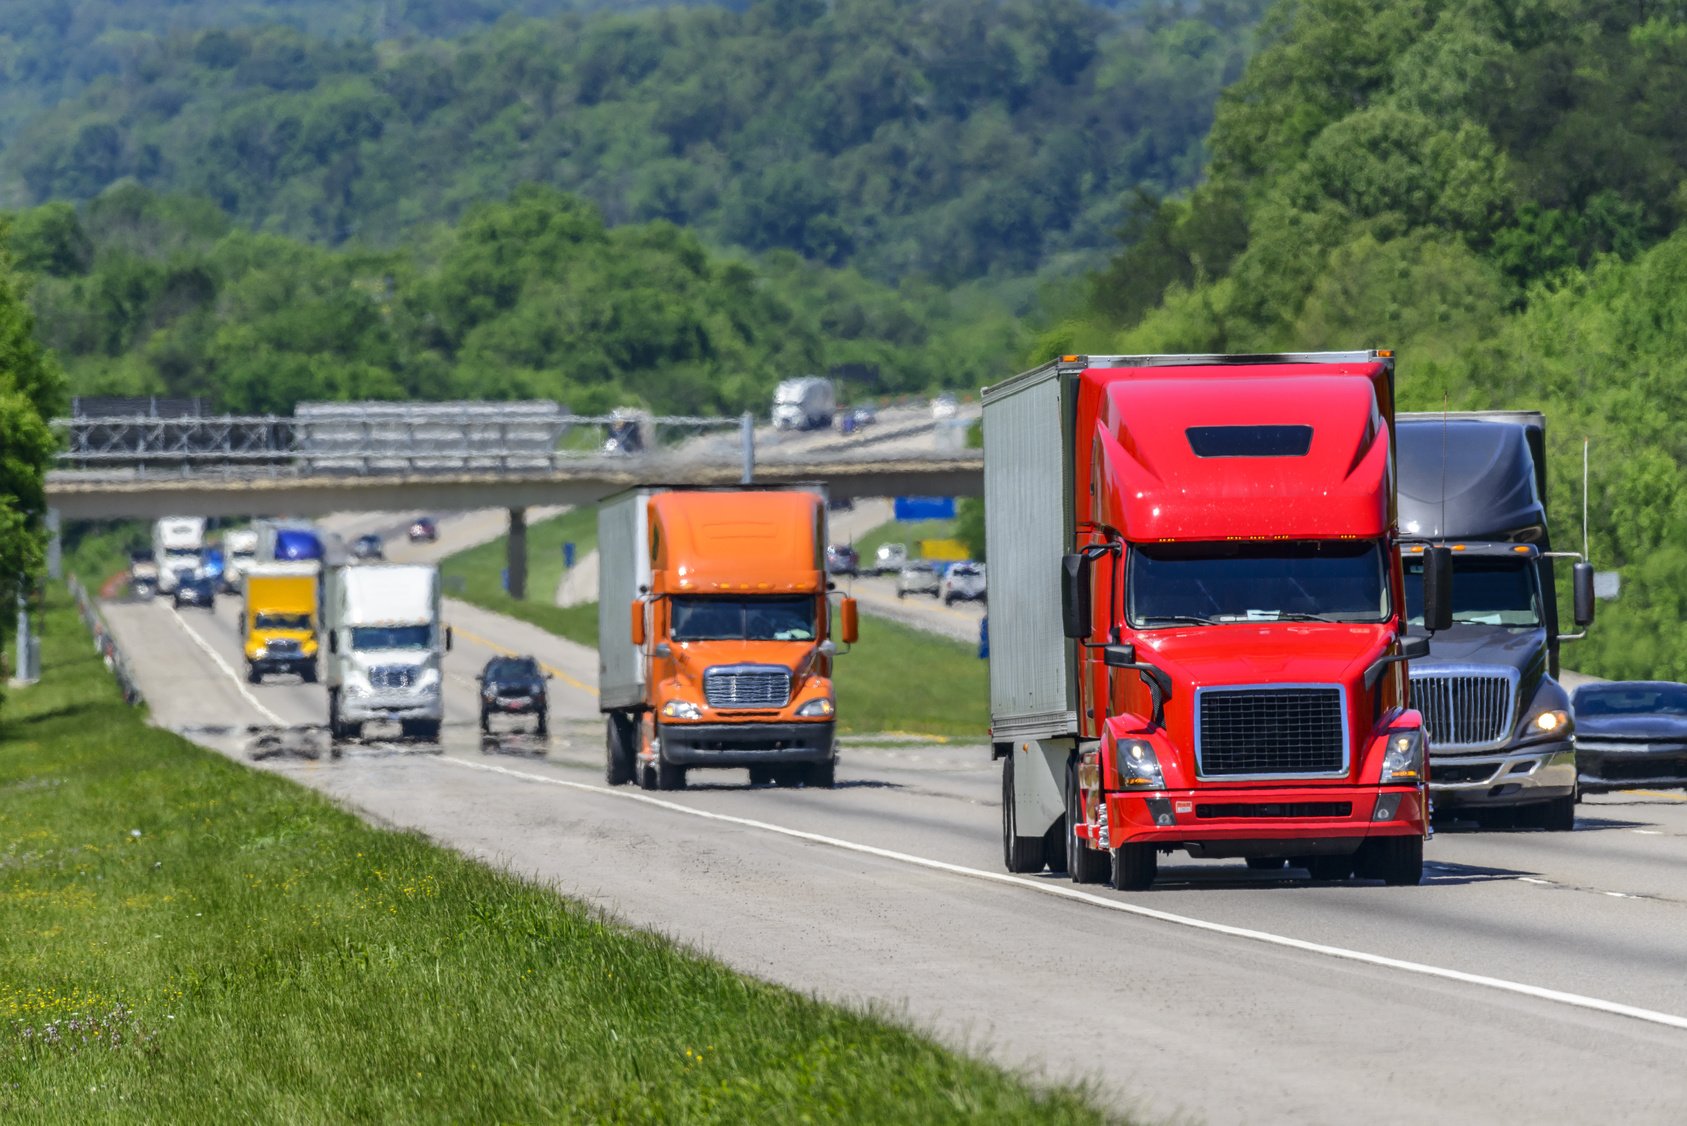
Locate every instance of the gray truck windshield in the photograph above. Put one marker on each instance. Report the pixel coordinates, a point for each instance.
(1488, 590)
(1213, 583)
(391, 637)
(742, 619)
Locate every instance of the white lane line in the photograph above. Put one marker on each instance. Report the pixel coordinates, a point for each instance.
(1532, 880)
(239, 681)
(1647, 832)
(1063, 891)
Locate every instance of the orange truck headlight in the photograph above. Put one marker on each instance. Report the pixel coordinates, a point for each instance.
(816, 709)
(681, 709)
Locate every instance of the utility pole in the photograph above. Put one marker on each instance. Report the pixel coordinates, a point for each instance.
(28, 669)
(747, 440)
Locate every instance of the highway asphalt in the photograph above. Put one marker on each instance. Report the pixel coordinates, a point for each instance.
(1534, 976)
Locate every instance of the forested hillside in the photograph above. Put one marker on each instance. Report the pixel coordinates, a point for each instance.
(948, 139)
(527, 297)
(1495, 189)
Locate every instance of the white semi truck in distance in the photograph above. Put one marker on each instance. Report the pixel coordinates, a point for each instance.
(178, 544)
(385, 646)
(807, 403)
(240, 551)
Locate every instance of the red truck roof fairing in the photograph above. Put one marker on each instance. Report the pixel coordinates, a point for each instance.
(1144, 477)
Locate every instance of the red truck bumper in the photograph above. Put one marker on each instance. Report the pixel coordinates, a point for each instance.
(1221, 823)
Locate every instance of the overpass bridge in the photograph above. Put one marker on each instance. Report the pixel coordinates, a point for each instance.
(453, 456)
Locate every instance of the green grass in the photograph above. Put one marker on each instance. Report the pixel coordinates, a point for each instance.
(909, 533)
(480, 570)
(266, 957)
(897, 678)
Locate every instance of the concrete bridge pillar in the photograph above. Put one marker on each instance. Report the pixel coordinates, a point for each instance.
(55, 549)
(516, 558)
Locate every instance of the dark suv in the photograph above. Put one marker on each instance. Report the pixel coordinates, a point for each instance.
(514, 686)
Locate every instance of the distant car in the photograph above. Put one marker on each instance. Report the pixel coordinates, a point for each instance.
(945, 406)
(424, 530)
(368, 547)
(963, 582)
(917, 577)
(624, 436)
(194, 588)
(841, 559)
(514, 686)
(852, 420)
(890, 558)
(1630, 733)
(143, 573)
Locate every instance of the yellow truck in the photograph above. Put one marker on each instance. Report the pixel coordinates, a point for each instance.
(279, 618)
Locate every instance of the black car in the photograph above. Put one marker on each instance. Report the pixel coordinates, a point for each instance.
(513, 686)
(367, 547)
(1631, 733)
(195, 589)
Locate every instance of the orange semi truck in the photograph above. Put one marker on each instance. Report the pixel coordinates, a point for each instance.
(715, 645)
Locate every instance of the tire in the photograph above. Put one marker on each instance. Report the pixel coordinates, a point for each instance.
(336, 729)
(948, 601)
(1396, 861)
(421, 730)
(253, 676)
(761, 776)
(668, 776)
(618, 768)
(1558, 815)
(1085, 865)
(542, 726)
(1326, 867)
(1266, 863)
(1133, 867)
(901, 594)
(485, 722)
(308, 675)
(821, 775)
(1019, 854)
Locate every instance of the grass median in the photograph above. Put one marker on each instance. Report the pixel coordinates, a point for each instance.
(476, 575)
(187, 940)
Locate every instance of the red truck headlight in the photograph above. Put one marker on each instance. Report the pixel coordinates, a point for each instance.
(1138, 766)
(1403, 760)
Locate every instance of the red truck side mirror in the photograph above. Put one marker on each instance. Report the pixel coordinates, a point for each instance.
(638, 622)
(849, 621)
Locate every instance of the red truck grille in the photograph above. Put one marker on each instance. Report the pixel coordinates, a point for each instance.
(1271, 731)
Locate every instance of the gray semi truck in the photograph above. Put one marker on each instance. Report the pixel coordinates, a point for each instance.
(1500, 727)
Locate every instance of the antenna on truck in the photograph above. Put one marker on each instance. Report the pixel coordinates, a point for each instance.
(1586, 553)
(1444, 465)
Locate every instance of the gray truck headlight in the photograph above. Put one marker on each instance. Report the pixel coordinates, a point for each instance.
(681, 709)
(1554, 722)
(1403, 760)
(1139, 767)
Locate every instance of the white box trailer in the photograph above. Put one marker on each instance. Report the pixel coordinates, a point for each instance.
(386, 647)
(178, 544)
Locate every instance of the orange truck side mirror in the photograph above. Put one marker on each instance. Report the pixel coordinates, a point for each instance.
(848, 621)
(638, 622)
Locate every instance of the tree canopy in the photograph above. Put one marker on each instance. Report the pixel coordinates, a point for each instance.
(949, 139)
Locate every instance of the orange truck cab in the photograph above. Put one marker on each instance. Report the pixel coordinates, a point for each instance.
(715, 635)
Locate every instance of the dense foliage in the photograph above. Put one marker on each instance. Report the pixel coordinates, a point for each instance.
(31, 390)
(951, 139)
(530, 297)
(1496, 190)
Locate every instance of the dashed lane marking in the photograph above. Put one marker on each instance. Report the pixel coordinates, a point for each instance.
(1064, 891)
(239, 681)
(508, 652)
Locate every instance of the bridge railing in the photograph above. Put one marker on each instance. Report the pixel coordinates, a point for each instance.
(105, 644)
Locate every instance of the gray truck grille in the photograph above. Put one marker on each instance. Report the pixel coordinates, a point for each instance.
(392, 676)
(1463, 711)
(1270, 731)
(747, 687)
(283, 647)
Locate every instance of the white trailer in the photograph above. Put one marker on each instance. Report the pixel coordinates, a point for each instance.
(240, 551)
(178, 544)
(386, 648)
(807, 403)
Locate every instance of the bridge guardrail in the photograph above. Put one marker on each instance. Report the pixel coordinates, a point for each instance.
(104, 643)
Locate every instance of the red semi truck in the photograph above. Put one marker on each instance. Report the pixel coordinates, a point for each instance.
(1205, 649)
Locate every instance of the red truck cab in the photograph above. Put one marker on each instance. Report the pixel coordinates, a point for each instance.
(1231, 603)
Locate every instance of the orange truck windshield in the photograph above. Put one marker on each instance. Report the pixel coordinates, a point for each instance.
(743, 619)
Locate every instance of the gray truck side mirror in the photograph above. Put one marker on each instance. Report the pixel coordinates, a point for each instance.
(1437, 588)
(1581, 580)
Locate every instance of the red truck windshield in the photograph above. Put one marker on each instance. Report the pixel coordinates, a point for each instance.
(1213, 583)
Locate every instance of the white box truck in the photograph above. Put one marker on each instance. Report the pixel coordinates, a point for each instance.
(807, 403)
(178, 544)
(386, 647)
(240, 551)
